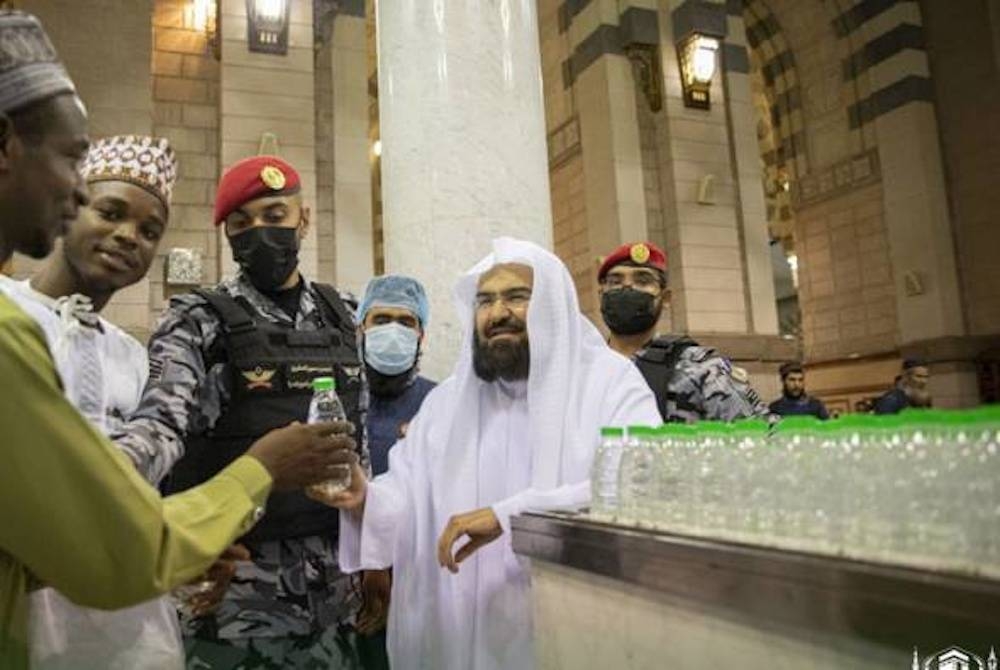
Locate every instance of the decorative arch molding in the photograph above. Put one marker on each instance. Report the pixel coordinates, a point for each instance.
(771, 50)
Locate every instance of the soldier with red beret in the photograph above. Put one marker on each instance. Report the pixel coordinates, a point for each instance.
(691, 382)
(228, 364)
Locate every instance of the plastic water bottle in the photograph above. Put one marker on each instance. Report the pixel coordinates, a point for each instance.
(635, 475)
(672, 483)
(604, 475)
(325, 407)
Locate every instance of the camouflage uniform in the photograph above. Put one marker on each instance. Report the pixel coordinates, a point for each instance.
(290, 607)
(702, 385)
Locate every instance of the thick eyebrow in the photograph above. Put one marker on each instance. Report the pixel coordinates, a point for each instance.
(506, 291)
(113, 200)
(155, 218)
(244, 212)
(122, 203)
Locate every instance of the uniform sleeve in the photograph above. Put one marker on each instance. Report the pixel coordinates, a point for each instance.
(364, 433)
(76, 513)
(180, 398)
(719, 394)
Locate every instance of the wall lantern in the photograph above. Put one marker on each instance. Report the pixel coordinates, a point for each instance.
(267, 26)
(698, 55)
(699, 26)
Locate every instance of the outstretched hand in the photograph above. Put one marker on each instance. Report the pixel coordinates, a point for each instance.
(351, 499)
(481, 526)
(220, 575)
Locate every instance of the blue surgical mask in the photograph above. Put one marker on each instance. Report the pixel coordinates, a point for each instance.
(391, 349)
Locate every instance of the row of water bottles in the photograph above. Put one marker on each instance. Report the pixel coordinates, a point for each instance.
(921, 488)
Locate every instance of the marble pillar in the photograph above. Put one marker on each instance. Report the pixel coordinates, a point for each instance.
(463, 144)
(352, 170)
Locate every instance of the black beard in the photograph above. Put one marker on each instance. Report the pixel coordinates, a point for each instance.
(794, 396)
(509, 361)
(385, 386)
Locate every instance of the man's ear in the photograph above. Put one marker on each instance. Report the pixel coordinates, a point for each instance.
(304, 223)
(10, 144)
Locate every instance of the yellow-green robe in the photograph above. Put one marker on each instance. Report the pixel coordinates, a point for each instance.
(75, 514)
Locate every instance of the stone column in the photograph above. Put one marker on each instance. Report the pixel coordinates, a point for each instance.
(463, 143)
(604, 89)
(352, 171)
(751, 210)
(703, 239)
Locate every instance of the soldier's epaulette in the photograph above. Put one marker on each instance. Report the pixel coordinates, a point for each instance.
(699, 354)
(186, 301)
(190, 306)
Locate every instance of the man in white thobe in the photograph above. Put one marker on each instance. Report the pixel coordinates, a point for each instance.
(514, 427)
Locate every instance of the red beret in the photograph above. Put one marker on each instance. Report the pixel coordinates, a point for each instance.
(252, 178)
(646, 254)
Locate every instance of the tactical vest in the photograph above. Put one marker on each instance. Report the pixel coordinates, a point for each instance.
(271, 367)
(658, 362)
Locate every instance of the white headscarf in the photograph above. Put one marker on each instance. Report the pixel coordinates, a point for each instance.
(571, 366)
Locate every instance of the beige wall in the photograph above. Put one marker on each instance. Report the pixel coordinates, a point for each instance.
(186, 112)
(872, 231)
(963, 59)
(569, 223)
(114, 80)
(352, 171)
(846, 290)
(110, 72)
(566, 165)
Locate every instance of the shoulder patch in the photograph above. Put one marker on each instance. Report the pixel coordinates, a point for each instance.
(738, 373)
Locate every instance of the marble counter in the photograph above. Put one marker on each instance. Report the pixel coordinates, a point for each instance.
(613, 597)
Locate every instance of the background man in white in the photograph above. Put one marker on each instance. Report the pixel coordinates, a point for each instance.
(514, 427)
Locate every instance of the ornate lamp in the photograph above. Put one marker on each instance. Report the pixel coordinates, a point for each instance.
(698, 56)
(267, 26)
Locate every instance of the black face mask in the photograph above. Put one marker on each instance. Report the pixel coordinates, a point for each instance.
(628, 311)
(267, 254)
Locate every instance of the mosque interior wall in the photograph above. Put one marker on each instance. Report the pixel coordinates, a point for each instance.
(965, 64)
(186, 112)
(851, 113)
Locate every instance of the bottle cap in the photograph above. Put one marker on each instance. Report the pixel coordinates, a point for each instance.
(323, 384)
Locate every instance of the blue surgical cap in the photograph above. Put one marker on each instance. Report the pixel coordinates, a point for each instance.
(395, 291)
